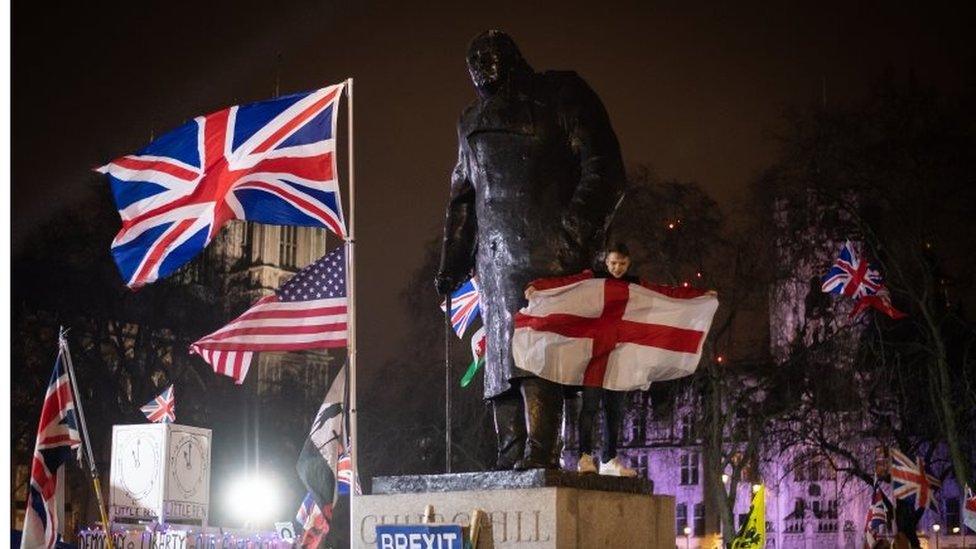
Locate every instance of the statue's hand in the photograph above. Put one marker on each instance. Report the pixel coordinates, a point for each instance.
(444, 283)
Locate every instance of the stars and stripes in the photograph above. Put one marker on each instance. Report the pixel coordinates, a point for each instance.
(911, 483)
(851, 276)
(268, 162)
(57, 442)
(465, 306)
(306, 312)
(161, 409)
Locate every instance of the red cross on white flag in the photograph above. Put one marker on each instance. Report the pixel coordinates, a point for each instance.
(610, 333)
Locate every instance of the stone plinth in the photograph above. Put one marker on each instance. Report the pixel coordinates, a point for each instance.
(535, 508)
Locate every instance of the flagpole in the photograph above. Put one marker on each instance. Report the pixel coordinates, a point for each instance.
(85, 440)
(351, 317)
(448, 334)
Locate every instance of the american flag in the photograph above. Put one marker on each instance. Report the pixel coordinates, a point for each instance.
(465, 306)
(910, 481)
(57, 440)
(851, 276)
(161, 409)
(269, 162)
(306, 312)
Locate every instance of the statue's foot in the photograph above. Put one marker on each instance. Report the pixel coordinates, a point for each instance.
(535, 463)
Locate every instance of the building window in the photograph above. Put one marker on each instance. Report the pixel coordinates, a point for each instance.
(636, 433)
(247, 240)
(681, 518)
(952, 513)
(639, 463)
(689, 469)
(288, 247)
(689, 432)
(699, 519)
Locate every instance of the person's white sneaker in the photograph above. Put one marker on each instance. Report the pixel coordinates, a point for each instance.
(614, 468)
(586, 464)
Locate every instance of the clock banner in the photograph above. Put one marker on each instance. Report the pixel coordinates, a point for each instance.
(319, 461)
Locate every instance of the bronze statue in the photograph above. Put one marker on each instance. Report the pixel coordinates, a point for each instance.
(539, 172)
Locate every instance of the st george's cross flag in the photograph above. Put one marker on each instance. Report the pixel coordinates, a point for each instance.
(465, 306)
(269, 162)
(161, 409)
(58, 442)
(911, 483)
(604, 332)
(306, 312)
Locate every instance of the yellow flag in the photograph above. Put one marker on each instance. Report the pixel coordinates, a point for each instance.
(752, 535)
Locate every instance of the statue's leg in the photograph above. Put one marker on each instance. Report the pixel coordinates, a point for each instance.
(543, 401)
(509, 428)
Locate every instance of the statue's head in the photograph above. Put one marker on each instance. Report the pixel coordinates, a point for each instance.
(494, 61)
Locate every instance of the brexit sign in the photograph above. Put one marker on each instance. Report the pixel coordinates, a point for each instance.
(419, 536)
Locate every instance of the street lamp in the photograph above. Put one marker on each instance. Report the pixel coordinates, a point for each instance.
(687, 537)
(936, 528)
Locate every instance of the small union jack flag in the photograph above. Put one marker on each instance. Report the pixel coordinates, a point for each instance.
(465, 306)
(305, 510)
(879, 514)
(268, 162)
(161, 409)
(58, 441)
(344, 475)
(851, 276)
(969, 510)
(910, 481)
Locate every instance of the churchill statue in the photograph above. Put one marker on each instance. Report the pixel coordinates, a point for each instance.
(538, 175)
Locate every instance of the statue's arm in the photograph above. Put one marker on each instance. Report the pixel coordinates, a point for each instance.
(460, 230)
(595, 145)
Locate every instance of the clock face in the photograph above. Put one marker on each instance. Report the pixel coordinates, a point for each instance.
(139, 464)
(187, 464)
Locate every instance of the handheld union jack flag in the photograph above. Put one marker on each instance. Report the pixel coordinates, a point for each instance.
(268, 162)
(161, 409)
(465, 306)
(851, 276)
(879, 514)
(910, 481)
(58, 440)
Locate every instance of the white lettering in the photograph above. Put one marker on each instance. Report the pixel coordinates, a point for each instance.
(414, 541)
(386, 541)
(429, 540)
(400, 541)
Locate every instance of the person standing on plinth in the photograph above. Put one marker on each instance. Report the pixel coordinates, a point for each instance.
(617, 262)
(538, 174)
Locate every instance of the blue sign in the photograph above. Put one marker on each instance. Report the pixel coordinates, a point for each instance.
(419, 536)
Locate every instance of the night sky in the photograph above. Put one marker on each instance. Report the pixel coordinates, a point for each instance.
(696, 93)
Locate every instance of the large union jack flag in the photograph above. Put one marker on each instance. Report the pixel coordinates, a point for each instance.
(465, 306)
(879, 515)
(268, 162)
(161, 409)
(851, 276)
(911, 483)
(57, 441)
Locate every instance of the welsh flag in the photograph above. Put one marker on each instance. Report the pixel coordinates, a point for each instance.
(610, 333)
